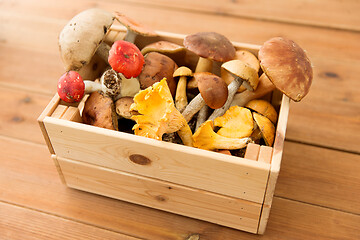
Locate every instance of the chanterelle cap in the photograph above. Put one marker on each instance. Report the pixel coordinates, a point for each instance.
(287, 66)
(210, 45)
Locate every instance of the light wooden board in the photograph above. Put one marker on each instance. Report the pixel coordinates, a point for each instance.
(38, 187)
(179, 164)
(15, 225)
(153, 193)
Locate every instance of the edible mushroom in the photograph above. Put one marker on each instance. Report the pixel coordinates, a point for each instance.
(99, 111)
(206, 138)
(133, 28)
(180, 97)
(174, 51)
(123, 105)
(264, 108)
(287, 66)
(237, 122)
(243, 74)
(156, 67)
(209, 46)
(158, 115)
(213, 92)
(266, 127)
(82, 36)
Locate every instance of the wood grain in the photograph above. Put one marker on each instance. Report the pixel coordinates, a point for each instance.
(15, 225)
(38, 187)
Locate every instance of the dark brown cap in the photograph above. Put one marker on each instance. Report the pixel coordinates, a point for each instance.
(210, 45)
(287, 66)
(212, 88)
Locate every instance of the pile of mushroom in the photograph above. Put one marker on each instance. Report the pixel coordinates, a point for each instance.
(167, 98)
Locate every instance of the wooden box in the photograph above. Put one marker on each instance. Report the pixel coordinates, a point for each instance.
(222, 189)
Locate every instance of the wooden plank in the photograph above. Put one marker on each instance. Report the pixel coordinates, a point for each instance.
(231, 212)
(265, 154)
(59, 111)
(320, 176)
(17, 223)
(252, 151)
(38, 187)
(275, 163)
(72, 114)
(330, 14)
(179, 164)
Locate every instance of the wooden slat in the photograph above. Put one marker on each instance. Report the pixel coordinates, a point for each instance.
(265, 154)
(153, 193)
(324, 13)
(72, 114)
(252, 151)
(320, 176)
(179, 164)
(17, 223)
(38, 187)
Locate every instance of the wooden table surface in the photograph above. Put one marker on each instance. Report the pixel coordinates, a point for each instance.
(318, 190)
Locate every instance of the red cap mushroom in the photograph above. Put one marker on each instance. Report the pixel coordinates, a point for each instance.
(71, 87)
(126, 58)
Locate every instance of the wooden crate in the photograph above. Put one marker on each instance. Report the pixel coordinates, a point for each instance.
(226, 190)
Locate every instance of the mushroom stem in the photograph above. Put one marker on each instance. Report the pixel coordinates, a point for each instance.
(193, 107)
(180, 96)
(91, 86)
(202, 116)
(232, 88)
(185, 134)
(103, 51)
(130, 36)
(203, 65)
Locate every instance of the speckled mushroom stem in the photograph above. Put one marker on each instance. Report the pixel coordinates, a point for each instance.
(130, 36)
(193, 107)
(202, 116)
(232, 88)
(103, 51)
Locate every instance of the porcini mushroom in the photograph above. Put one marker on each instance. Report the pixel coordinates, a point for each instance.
(158, 115)
(180, 97)
(126, 58)
(243, 74)
(158, 66)
(209, 46)
(133, 28)
(99, 111)
(172, 50)
(287, 66)
(206, 138)
(82, 36)
(122, 106)
(264, 108)
(213, 92)
(237, 122)
(266, 127)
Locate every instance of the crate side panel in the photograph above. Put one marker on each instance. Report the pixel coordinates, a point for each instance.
(179, 164)
(219, 209)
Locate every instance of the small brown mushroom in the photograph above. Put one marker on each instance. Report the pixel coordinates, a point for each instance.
(287, 66)
(122, 106)
(264, 108)
(266, 127)
(180, 97)
(99, 111)
(172, 50)
(213, 92)
(82, 36)
(242, 73)
(209, 46)
(158, 66)
(133, 28)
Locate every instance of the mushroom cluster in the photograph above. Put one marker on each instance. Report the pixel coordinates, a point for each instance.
(216, 104)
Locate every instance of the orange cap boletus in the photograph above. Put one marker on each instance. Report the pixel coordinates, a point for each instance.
(287, 66)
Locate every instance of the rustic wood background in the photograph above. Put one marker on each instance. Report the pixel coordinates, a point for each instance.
(318, 191)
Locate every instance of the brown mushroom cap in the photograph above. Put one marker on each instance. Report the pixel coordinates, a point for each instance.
(123, 107)
(99, 110)
(287, 66)
(162, 47)
(183, 72)
(213, 89)
(134, 26)
(264, 108)
(266, 127)
(158, 66)
(82, 35)
(210, 45)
